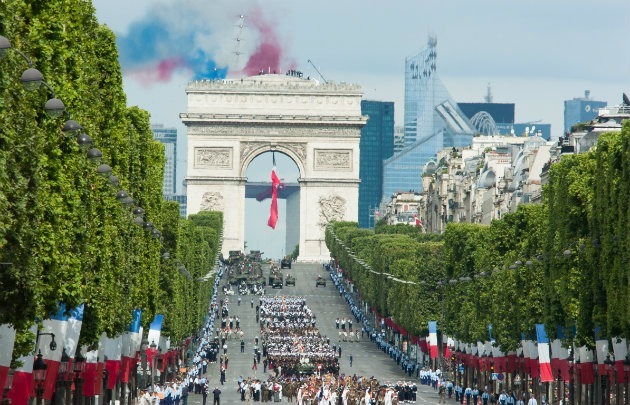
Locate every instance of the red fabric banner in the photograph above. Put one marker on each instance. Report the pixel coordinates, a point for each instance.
(273, 211)
(113, 369)
(51, 379)
(587, 374)
(535, 368)
(22, 388)
(89, 378)
(125, 368)
(621, 374)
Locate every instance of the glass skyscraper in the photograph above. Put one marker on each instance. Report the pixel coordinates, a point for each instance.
(168, 136)
(376, 145)
(433, 122)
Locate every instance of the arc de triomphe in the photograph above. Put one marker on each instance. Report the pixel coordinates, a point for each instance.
(230, 122)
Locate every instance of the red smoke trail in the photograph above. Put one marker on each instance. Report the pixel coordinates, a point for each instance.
(268, 54)
(161, 72)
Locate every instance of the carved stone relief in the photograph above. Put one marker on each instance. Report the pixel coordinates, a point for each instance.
(276, 130)
(248, 147)
(211, 201)
(331, 208)
(298, 148)
(333, 159)
(213, 158)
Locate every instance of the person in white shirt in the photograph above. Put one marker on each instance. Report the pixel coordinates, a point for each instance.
(145, 398)
(532, 401)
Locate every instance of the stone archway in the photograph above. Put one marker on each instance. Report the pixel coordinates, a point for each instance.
(230, 122)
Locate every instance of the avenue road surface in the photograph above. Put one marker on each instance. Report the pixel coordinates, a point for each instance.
(326, 304)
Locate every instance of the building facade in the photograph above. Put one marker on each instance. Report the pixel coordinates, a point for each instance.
(483, 182)
(376, 145)
(580, 109)
(168, 137)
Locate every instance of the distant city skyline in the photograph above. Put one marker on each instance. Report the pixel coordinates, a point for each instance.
(529, 52)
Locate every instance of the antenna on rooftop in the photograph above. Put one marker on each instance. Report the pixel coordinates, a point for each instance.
(237, 40)
(317, 70)
(488, 97)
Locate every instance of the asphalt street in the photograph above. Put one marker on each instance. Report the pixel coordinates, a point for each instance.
(327, 305)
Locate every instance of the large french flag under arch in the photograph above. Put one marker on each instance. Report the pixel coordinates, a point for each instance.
(543, 354)
(273, 210)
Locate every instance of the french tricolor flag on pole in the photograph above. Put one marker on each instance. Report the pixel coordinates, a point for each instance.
(58, 325)
(7, 340)
(620, 349)
(21, 390)
(543, 354)
(155, 329)
(129, 345)
(74, 330)
(92, 375)
(433, 348)
(113, 355)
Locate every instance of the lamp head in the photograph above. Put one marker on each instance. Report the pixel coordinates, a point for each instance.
(85, 141)
(5, 45)
(94, 154)
(32, 79)
(71, 126)
(104, 170)
(54, 108)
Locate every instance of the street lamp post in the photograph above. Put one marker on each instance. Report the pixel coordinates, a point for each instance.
(571, 377)
(7, 387)
(153, 348)
(62, 388)
(39, 376)
(78, 368)
(610, 379)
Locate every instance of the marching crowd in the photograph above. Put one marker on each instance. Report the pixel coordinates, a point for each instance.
(298, 362)
(291, 340)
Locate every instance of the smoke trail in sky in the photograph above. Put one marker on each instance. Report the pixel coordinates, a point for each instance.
(268, 54)
(197, 37)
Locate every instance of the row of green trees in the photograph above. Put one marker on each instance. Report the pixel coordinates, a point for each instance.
(563, 262)
(64, 237)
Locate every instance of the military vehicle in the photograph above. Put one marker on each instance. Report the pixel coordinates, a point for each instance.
(290, 280)
(276, 281)
(255, 255)
(320, 281)
(285, 263)
(275, 277)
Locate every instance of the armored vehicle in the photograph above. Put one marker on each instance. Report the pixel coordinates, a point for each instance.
(285, 263)
(320, 281)
(290, 280)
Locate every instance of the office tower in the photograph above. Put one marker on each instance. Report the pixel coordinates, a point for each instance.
(168, 136)
(433, 122)
(580, 109)
(376, 145)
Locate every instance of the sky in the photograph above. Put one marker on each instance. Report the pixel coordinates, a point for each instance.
(534, 53)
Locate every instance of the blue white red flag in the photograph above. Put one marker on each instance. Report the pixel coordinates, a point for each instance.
(433, 348)
(543, 354)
